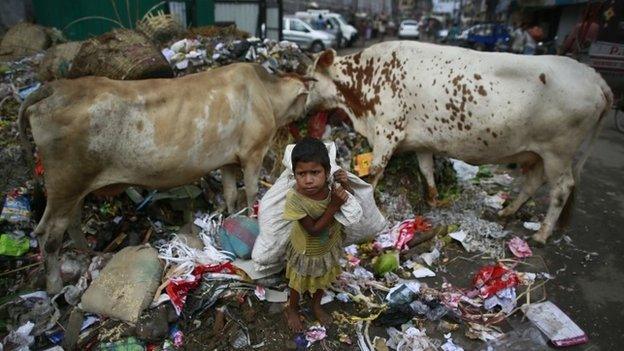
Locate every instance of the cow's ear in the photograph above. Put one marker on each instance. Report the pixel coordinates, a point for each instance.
(325, 59)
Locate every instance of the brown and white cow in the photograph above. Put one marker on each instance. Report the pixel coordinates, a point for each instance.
(97, 134)
(475, 106)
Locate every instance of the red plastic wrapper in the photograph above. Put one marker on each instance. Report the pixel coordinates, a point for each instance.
(491, 279)
(39, 170)
(177, 289)
(317, 124)
(408, 228)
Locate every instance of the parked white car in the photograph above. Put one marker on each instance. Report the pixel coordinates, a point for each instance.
(409, 30)
(301, 33)
(349, 33)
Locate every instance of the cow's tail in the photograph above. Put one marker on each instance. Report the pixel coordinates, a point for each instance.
(566, 212)
(23, 121)
(38, 201)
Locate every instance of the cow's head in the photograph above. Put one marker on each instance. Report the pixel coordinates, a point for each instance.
(323, 93)
(296, 90)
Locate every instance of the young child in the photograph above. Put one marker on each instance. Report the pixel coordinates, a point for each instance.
(316, 238)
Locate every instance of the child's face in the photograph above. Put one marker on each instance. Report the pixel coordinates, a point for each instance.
(311, 178)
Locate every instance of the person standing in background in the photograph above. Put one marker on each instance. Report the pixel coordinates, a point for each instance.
(518, 35)
(369, 30)
(529, 40)
(381, 30)
(582, 35)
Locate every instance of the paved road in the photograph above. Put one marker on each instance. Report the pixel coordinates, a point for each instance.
(593, 290)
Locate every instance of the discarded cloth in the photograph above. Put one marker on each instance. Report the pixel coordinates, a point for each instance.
(178, 288)
(238, 235)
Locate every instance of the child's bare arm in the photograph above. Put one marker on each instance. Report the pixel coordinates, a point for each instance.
(316, 227)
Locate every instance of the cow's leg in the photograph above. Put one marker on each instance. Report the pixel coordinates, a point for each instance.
(251, 174)
(425, 163)
(230, 192)
(559, 176)
(75, 229)
(56, 219)
(534, 178)
(383, 148)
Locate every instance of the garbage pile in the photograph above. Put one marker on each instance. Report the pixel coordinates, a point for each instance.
(169, 271)
(189, 55)
(447, 279)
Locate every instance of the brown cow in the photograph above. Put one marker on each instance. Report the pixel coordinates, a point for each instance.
(97, 134)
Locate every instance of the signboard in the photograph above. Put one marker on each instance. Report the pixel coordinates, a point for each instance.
(607, 53)
(606, 56)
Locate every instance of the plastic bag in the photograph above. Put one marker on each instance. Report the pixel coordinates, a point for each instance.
(494, 278)
(270, 246)
(16, 207)
(11, 246)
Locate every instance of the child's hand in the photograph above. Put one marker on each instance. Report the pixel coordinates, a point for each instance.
(341, 177)
(338, 196)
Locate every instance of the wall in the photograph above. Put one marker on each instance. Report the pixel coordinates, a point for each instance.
(13, 12)
(61, 13)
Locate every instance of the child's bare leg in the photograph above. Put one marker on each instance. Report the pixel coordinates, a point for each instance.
(321, 315)
(292, 312)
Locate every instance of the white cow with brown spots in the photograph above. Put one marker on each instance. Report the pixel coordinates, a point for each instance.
(474, 106)
(96, 134)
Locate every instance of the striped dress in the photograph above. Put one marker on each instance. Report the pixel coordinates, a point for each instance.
(311, 261)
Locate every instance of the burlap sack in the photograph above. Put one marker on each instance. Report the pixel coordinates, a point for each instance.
(58, 60)
(122, 54)
(126, 286)
(160, 28)
(24, 39)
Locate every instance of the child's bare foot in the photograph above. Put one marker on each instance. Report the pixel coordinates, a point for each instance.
(321, 315)
(293, 320)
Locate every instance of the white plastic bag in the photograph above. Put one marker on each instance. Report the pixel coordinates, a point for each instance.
(360, 216)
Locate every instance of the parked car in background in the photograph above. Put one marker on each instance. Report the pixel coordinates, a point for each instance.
(329, 25)
(486, 37)
(349, 33)
(408, 29)
(451, 35)
(308, 38)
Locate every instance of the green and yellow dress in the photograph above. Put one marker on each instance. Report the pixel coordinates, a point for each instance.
(311, 261)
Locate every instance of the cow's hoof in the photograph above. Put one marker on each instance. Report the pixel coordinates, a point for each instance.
(539, 239)
(54, 285)
(505, 212)
(433, 203)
